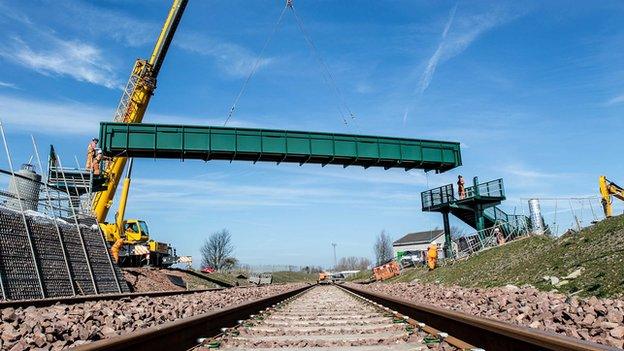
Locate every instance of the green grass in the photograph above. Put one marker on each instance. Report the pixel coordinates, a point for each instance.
(196, 283)
(363, 275)
(294, 277)
(599, 249)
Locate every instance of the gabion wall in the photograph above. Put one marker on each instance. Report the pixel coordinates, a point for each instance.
(47, 258)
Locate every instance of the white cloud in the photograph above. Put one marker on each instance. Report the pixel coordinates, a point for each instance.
(616, 100)
(39, 48)
(360, 175)
(10, 13)
(20, 114)
(108, 23)
(234, 60)
(458, 34)
(54, 56)
(77, 118)
(527, 173)
(186, 194)
(8, 85)
(364, 88)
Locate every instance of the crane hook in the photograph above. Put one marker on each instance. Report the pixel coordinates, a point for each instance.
(289, 3)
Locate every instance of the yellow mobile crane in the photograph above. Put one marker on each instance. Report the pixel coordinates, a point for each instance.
(131, 236)
(608, 189)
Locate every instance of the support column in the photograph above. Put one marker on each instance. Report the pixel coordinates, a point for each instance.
(479, 220)
(448, 252)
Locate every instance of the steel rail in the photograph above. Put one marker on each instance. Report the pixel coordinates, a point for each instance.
(450, 339)
(184, 333)
(102, 297)
(483, 332)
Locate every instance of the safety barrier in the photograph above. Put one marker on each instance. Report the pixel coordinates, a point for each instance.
(496, 235)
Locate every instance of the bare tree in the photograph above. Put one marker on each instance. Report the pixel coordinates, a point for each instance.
(352, 263)
(217, 250)
(363, 263)
(229, 263)
(383, 248)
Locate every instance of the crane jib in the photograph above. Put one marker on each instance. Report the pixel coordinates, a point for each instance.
(134, 102)
(166, 35)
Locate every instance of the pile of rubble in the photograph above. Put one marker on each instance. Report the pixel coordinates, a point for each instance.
(63, 326)
(593, 319)
(147, 279)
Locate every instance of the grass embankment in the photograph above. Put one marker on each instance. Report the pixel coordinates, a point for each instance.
(294, 277)
(599, 250)
(364, 275)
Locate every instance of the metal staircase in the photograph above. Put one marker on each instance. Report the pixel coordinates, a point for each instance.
(79, 183)
(478, 208)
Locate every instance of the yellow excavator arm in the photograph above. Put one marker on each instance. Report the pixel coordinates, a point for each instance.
(608, 189)
(134, 102)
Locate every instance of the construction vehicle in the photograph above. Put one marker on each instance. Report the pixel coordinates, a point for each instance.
(323, 278)
(338, 278)
(130, 238)
(609, 189)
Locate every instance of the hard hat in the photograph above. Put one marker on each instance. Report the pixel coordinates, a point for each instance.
(99, 151)
(95, 139)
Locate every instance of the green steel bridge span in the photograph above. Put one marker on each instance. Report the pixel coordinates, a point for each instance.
(248, 144)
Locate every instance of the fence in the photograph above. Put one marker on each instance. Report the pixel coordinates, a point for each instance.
(496, 235)
(562, 214)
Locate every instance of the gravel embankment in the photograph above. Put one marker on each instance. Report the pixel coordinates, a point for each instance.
(63, 326)
(593, 319)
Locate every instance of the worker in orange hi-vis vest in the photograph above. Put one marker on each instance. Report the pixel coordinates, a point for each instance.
(432, 256)
(91, 153)
(461, 190)
(96, 164)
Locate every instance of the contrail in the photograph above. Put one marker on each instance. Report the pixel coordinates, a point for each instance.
(427, 75)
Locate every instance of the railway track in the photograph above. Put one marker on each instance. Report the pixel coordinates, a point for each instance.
(327, 318)
(338, 317)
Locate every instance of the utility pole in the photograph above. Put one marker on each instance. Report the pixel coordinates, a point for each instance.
(335, 262)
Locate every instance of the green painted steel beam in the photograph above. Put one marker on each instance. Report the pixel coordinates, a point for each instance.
(247, 144)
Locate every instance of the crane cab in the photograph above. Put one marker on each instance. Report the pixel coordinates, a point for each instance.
(136, 231)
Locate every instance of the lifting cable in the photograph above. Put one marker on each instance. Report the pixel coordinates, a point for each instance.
(256, 64)
(343, 108)
(328, 77)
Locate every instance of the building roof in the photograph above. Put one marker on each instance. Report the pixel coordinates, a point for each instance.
(419, 238)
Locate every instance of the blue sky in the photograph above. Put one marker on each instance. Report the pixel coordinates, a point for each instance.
(534, 92)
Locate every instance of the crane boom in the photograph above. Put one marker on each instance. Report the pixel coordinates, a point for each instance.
(608, 189)
(134, 102)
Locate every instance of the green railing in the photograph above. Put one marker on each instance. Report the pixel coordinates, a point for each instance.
(493, 188)
(509, 223)
(446, 194)
(436, 197)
